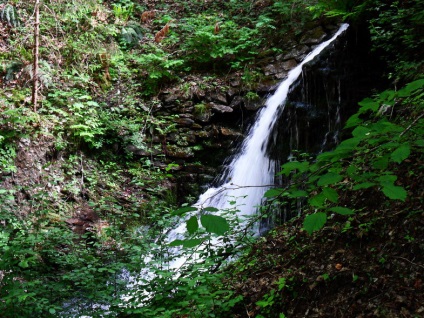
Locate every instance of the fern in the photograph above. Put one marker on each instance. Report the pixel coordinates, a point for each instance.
(9, 15)
(130, 35)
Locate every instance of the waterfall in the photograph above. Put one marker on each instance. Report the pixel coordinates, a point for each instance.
(252, 172)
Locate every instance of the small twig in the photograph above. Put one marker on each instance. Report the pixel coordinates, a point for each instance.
(412, 124)
(405, 259)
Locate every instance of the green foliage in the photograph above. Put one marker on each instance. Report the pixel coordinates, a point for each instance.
(204, 45)
(367, 160)
(77, 114)
(130, 35)
(396, 28)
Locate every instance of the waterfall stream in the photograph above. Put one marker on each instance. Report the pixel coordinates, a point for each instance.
(251, 173)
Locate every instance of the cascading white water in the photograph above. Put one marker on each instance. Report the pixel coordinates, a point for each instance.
(252, 172)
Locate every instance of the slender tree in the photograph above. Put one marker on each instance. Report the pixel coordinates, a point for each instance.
(36, 46)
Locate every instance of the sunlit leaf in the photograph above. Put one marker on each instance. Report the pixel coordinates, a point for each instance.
(214, 224)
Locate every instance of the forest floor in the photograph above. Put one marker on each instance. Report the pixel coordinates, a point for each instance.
(370, 265)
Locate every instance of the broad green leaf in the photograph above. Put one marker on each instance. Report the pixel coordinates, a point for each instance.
(394, 192)
(214, 224)
(387, 96)
(401, 153)
(329, 178)
(381, 163)
(298, 194)
(368, 104)
(24, 263)
(191, 243)
(363, 185)
(273, 193)
(186, 243)
(314, 222)
(317, 201)
(192, 225)
(331, 194)
(341, 210)
(353, 121)
(288, 167)
(419, 143)
(360, 132)
(409, 88)
(210, 209)
(52, 311)
(176, 243)
(384, 126)
(184, 210)
(387, 178)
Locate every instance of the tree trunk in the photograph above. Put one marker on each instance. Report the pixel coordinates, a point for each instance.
(35, 65)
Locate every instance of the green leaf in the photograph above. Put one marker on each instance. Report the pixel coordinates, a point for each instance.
(381, 163)
(363, 185)
(298, 194)
(52, 311)
(273, 193)
(394, 192)
(184, 210)
(192, 225)
(186, 243)
(191, 243)
(288, 167)
(368, 104)
(419, 143)
(401, 153)
(331, 194)
(210, 209)
(314, 222)
(409, 88)
(214, 224)
(341, 210)
(24, 263)
(387, 178)
(317, 201)
(329, 178)
(353, 121)
(360, 132)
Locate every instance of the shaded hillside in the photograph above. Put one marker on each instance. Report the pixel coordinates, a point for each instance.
(140, 103)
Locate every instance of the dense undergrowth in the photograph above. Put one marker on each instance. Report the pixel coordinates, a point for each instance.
(79, 212)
